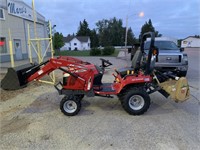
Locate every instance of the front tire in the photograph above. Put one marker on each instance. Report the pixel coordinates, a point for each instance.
(80, 96)
(70, 105)
(136, 101)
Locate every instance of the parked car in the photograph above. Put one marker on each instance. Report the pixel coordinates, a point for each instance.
(171, 57)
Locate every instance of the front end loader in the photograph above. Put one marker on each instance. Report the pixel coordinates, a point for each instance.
(132, 85)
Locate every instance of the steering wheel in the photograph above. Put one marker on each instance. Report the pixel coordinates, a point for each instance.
(105, 63)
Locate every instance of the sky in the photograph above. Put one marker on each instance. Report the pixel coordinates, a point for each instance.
(172, 18)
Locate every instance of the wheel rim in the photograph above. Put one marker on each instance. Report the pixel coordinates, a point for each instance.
(70, 106)
(136, 102)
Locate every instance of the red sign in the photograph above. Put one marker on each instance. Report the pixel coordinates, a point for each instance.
(2, 43)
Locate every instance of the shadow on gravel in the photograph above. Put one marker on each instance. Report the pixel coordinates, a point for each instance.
(97, 104)
(85, 110)
(45, 103)
(14, 125)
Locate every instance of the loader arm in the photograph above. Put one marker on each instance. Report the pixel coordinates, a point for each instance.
(72, 66)
(17, 78)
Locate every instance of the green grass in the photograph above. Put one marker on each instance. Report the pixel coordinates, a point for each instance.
(115, 54)
(80, 53)
(73, 53)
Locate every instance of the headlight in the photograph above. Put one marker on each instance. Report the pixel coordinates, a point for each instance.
(185, 58)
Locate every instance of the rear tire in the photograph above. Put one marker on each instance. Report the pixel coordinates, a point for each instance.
(70, 105)
(121, 96)
(136, 101)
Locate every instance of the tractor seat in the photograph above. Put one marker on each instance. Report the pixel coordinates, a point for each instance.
(135, 65)
(126, 71)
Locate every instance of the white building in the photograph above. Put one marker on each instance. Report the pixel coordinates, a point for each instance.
(191, 41)
(76, 43)
(15, 15)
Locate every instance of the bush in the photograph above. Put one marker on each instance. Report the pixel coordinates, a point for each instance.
(109, 50)
(95, 52)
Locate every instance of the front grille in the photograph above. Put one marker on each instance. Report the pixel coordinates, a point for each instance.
(179, 58)
(166, 69)
(169, 59)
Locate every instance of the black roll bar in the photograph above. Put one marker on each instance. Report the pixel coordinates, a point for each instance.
(144, 37)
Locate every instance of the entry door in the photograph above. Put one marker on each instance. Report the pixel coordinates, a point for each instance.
(18, 49)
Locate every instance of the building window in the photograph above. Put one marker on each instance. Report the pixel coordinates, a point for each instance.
(2, 16)
(3, 48)
(184, 42)
(75, 44)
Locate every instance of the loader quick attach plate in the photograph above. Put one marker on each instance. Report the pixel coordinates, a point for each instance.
(16, 78)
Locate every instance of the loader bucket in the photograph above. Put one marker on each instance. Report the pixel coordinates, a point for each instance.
(16, 78)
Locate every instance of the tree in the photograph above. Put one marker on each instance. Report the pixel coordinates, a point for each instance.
(148, 27)
(131, 40)
(107, 33)
(58, 41)
(94, 38)
(103, 33)
(53, 30)
(111, 32)
(116, 31)
(179, 42)
(83, 29)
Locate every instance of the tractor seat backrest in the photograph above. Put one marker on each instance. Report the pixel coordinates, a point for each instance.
(135, 65)
(136, 60)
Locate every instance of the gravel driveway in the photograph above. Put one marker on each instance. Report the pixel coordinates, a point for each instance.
(31, 119)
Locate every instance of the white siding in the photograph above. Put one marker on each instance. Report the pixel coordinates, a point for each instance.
(85, 45)
(16, 26)
(190, 42)
(19, 31)
(65, 47)
(75, 43)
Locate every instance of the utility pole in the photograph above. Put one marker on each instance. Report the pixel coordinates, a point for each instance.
(126, 33)
(141, 14)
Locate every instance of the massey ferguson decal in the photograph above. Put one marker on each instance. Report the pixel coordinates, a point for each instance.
(141, 79)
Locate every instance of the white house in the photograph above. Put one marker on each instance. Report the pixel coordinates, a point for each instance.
(191, 41)
(76, 43)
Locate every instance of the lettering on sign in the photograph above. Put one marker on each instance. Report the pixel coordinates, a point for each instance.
(14, 10)
(19, 9)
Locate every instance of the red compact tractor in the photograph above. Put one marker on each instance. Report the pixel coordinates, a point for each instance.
(132, 85)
